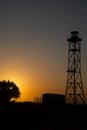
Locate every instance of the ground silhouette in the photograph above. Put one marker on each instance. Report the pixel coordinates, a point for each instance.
(34, 116)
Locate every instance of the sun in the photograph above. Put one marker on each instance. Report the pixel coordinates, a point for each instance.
(22, 82)
(16, 78)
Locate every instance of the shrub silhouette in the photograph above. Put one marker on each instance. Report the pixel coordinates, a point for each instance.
(8, 91)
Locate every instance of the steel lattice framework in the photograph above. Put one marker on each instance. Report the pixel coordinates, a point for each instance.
(74, 87)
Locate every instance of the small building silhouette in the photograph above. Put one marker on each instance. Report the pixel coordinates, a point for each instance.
(53, 99)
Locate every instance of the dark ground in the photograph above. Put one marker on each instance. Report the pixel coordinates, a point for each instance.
(29, 116)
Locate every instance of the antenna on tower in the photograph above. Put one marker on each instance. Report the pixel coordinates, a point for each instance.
(74, 88)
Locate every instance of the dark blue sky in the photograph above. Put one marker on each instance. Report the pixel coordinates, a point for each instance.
(33, 43)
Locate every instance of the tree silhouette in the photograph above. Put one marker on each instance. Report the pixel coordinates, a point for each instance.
(8, 91)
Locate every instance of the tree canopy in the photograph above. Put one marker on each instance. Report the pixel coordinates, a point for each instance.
(8, 90)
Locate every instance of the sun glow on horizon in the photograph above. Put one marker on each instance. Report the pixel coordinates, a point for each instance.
(20, 81)
(33, 78)
(29, 89)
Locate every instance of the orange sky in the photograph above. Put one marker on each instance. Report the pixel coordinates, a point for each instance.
(33, 44)
(34, 82)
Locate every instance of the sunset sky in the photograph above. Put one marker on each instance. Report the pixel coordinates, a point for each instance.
(34, 47)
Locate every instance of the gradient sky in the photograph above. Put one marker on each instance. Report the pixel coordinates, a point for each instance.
(33, 43)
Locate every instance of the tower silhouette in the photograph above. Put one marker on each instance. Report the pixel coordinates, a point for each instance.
(74, 87)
